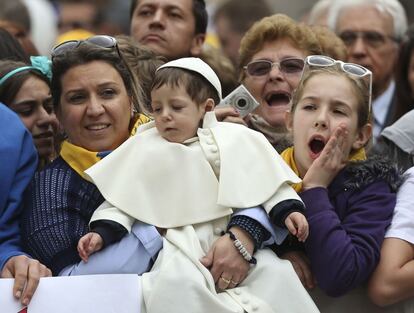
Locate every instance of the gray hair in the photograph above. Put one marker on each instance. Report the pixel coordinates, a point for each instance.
(319, 8)
(392, 7)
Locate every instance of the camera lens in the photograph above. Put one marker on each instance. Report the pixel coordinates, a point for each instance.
(241, 103)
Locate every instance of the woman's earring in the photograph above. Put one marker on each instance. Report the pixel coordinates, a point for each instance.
(133, 111)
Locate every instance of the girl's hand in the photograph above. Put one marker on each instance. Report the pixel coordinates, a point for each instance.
(226, 264)
(333, 158)
(301, 266)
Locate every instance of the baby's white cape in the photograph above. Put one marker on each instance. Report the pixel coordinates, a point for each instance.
(171, 184)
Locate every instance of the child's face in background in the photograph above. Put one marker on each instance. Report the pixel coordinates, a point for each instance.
(327, 102)
(177, 117)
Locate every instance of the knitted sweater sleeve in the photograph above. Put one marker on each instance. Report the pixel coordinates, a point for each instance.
(58, 206)
(344, 251)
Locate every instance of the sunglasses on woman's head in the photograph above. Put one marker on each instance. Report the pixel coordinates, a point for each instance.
(102, 41)
(263, 67)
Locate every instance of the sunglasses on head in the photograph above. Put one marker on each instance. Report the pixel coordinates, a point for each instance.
(263, 67)
(350, 68)
(102, 41)
(318, 61)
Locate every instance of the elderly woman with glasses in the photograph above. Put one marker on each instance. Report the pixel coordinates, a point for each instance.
(96, 98)
(271, 63)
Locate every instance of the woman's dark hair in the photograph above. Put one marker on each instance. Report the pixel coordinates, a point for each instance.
(12, 85)
(84, 54)
(10, 48)
(405, 101)
(199, 12)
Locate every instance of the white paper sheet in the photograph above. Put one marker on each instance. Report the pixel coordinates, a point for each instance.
(88, 293)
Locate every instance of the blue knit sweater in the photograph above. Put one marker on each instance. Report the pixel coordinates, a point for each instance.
(18, 162)
(58, 206)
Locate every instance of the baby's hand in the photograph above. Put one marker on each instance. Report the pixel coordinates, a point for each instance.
(297, 225)
(89, 244)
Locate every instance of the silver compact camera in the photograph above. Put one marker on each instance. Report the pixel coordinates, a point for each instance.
(241, 99)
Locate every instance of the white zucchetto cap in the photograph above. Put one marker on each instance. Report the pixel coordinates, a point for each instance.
(199, 66)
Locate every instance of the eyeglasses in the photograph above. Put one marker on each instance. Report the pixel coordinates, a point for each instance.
(371, 38)
(318, 61)
(263, 67)
(102, 41)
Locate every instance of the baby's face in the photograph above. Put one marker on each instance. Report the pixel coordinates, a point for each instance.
(177, 117)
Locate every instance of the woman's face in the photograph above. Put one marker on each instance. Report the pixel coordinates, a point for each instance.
(411, 74)
(33, 103)
(95, 109)
(274, 90)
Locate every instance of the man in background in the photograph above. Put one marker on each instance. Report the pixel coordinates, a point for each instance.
(171, 28)
(372, 30)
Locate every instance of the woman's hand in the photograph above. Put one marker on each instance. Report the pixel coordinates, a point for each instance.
(333, 158)
(228, 114)
(226, 264)
(301, 266)
(26, 273)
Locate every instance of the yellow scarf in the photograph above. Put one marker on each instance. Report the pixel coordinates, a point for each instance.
(80, 159)
(289, 158)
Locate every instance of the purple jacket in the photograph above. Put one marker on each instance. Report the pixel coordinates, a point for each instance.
(347, 224)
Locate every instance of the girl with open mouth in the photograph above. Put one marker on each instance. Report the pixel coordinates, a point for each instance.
(349, 199)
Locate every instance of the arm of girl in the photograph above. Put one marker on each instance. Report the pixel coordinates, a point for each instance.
(393, 279)
(346, 234)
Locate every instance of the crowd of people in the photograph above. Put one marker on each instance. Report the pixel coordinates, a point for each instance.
(116, 158)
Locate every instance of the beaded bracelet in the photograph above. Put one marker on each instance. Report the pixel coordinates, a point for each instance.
(243, 251)
(252, 227)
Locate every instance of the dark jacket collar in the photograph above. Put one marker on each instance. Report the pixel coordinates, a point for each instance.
(357, 175)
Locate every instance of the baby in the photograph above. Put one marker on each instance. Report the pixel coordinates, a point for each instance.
(184, 175)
